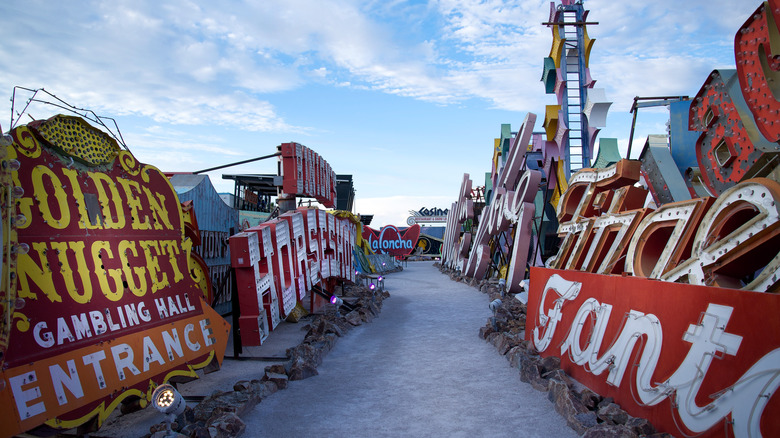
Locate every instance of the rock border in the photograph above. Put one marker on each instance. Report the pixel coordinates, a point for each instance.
(218, 415)
(586, 412)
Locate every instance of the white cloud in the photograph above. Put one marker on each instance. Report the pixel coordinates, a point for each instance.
(227, 63)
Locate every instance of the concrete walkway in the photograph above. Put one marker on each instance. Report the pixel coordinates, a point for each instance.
(419, 369)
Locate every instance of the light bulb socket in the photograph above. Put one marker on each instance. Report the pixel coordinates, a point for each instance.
(12, 165)
(19, 220)
(20, 248)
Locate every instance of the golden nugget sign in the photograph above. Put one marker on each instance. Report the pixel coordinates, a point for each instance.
(101, 300)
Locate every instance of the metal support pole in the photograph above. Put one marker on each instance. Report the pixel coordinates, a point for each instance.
(238, 163)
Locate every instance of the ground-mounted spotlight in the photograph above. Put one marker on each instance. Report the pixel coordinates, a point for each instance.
(169, 402)
(338, 302)
(380, 278)
(493, 306)
(502, 286)
(372, 286)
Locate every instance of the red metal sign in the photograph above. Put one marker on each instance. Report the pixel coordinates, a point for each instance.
(691, 359)
(305, 173)
(104, 294)
(278, 262)
(389, 240)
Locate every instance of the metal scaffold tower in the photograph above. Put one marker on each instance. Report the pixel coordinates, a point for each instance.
(574, 104)
(568, 21)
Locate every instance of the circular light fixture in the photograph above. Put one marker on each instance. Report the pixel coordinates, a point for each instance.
(167, 400)
(336, 300)
(372, 286)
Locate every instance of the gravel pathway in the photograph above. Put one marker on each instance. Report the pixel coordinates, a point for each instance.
(419, 369)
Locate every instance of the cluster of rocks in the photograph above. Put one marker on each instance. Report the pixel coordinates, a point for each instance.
(218, 415)
(588, 413)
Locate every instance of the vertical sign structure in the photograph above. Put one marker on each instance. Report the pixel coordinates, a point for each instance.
(573, 123)
(454, 243)
(101, 294)
(305, 173)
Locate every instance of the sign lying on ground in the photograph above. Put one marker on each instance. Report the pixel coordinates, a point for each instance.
(279, 261)
(692, 359)
(101, 294)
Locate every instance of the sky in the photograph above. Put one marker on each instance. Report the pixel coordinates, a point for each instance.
(406, 96)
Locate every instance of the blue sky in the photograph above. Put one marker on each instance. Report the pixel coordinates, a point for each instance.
(406, 96)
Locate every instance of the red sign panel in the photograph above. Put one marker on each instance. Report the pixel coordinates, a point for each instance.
(278, 262)
(691, 359)
(104, 295)
(305, 173)
(389, 240)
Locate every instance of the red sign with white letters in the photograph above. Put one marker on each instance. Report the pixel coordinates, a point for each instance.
(389, 240)
(691, 359)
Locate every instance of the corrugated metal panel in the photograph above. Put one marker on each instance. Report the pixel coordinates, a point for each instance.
(216, 222)
(211, 211)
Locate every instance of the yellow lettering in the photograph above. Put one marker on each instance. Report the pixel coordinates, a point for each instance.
(39, 273)
(111, 221)
(100, 250)
(159, 279)
(60, 197)
(139, 288)
(160, 214)
(192, 265)
(170, 247)
(84, 220)
(67, 273)
(132, 189)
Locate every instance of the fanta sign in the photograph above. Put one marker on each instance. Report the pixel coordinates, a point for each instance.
(691, 359)
(391, 241)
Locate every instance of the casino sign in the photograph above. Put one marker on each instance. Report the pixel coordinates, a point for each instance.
(101, 295)
(427, 216)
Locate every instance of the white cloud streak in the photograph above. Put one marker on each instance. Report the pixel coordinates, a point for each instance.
(219, 62)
